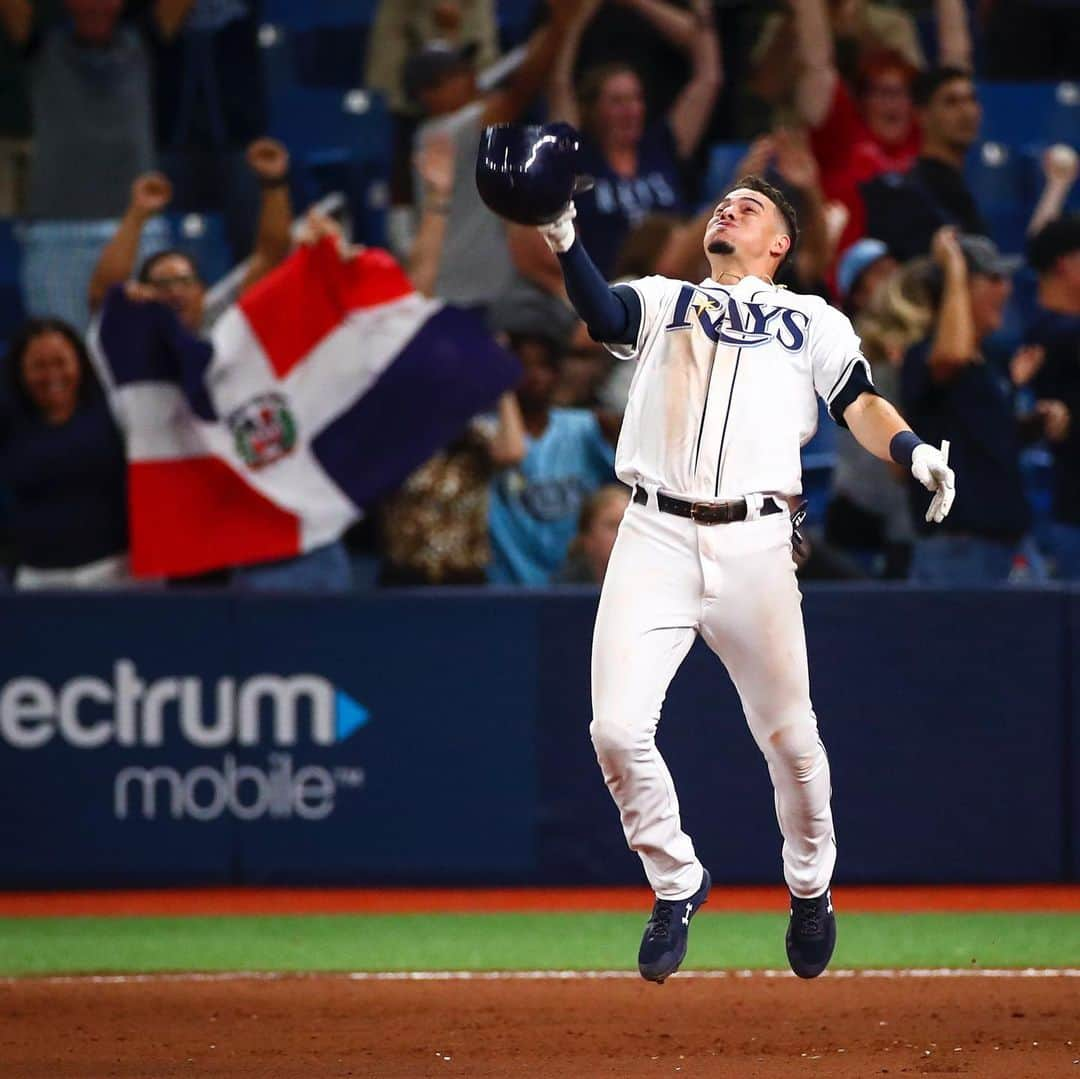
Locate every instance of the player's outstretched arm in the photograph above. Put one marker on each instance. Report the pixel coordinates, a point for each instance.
(612, 315)
(879, 428)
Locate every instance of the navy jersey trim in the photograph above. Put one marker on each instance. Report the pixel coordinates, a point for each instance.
(844, 374)
(723, 433)
(857, 384)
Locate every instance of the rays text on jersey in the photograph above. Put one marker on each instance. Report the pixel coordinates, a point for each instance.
(727, 320)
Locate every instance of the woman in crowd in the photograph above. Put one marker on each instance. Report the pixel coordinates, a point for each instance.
(62, 460)
(635, 162)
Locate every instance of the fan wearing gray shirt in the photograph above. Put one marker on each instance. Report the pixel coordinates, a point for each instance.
(476, 266)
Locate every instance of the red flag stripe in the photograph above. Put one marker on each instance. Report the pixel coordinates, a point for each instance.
(322, 290)
(193, 515)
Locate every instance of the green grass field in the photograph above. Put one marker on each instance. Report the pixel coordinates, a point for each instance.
(514, 942)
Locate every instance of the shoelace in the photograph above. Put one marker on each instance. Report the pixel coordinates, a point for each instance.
(809, 920)
(660, 922)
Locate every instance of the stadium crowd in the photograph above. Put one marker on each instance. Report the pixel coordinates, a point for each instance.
(147, 148)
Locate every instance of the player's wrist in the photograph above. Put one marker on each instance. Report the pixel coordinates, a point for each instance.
(902, 447)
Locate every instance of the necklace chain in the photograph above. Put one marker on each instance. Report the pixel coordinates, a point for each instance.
(738, 277)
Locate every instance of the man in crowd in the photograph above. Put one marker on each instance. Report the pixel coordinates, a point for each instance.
(1054, 254)
(906, 209)
(171, 276)
(441, 78)
(91, 103)
(952, 390)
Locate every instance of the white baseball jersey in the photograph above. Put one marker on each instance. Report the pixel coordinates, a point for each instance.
(723, 396)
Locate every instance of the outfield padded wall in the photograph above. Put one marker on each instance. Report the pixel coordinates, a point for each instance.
(443, 737)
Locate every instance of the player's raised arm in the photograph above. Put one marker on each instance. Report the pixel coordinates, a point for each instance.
(612, 314)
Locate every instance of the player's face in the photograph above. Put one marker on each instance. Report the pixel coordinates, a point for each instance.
(989, 293)
(177, 285)
(620, 110)
(748, 224)
(51, 374)
(887, 106)
(953, 114)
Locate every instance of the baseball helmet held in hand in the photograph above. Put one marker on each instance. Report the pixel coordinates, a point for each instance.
(528, 173)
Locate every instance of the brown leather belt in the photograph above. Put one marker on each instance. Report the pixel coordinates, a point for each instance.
(707, 513)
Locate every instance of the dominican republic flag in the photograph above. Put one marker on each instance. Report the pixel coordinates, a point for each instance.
(319, 391)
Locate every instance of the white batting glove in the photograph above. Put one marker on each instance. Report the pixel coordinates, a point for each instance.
(931, 468)
(559, 235)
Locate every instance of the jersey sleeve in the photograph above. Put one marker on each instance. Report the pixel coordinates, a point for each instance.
(841, 372)
(652, 293)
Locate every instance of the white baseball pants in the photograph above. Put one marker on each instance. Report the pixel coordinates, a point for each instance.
(668, 579)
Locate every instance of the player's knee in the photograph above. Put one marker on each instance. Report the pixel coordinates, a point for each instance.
(797, 748)
(613, 742)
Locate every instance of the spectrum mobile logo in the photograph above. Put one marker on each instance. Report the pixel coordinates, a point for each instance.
(88, 712)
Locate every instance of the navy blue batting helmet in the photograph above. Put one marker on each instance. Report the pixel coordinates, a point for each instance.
(527, 172)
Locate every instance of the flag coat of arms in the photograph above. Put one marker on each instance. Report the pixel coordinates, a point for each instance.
(319, 391)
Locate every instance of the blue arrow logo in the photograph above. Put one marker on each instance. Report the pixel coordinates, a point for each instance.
(349, 716)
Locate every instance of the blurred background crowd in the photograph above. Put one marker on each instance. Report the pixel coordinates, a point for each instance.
(928, 145)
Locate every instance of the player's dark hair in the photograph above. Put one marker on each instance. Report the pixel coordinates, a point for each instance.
(147, 267)
(929, 82)
(780, 201)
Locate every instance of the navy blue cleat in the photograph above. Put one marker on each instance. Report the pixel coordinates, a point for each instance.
(811, 935)
(663, 947)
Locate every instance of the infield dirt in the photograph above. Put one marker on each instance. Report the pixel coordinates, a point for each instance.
(752, 1027)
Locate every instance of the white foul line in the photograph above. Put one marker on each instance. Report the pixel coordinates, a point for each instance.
(518, 975)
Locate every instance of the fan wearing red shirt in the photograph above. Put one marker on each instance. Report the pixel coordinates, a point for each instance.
(856, 137)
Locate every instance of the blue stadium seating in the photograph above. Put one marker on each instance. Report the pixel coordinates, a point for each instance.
(11, 308)
(1000, 178)
(818, 461)
(330, 55)
(1020, 114)
(340, 140)
(312, 14)
(515, 19)
(202, 236)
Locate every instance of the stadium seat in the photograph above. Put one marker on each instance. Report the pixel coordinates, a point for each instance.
(1021, 113)
(320, 118)
(202, 236)
(331, 56)
(1037, 467)
(339, 138)
(515, 19)
(723, 159)
(818, 462)
(999, 176)
(312, 14)
(11, 307)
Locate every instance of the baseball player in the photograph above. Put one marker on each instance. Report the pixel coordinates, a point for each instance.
(720, 403)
